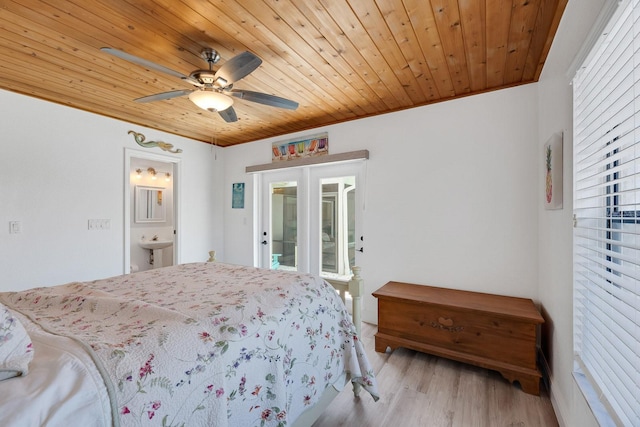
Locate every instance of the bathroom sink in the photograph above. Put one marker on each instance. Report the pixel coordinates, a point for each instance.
(155, 244)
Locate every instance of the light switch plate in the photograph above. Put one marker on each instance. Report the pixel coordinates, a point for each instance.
(99, 224)
(15, 227)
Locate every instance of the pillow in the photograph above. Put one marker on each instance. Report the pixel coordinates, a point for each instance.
(16, 350)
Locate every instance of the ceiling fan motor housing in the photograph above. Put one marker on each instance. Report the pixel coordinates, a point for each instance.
(205, 77)
(208, 77)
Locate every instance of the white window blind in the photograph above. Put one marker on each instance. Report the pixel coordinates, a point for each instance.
(607, 212)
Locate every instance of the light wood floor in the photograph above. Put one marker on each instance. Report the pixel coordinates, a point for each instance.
(417, 389)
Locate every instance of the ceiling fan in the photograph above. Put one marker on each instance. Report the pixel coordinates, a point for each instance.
(214, 89)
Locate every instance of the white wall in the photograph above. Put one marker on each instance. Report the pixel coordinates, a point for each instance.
(60, 167)
(451, 194)
(556, 227)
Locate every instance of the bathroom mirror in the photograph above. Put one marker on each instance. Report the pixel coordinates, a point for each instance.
(149, 204)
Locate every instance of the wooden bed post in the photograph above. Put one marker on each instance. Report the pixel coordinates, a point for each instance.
(356, 289)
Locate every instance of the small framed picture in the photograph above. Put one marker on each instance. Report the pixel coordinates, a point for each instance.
(553, 172)
(237, 196)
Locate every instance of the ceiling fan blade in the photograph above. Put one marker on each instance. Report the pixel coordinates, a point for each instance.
(238, 67)
(263, 98)
(229, 115)
(164, 95)
(143, 62)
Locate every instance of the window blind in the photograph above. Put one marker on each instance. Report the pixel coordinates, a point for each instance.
(607, 215)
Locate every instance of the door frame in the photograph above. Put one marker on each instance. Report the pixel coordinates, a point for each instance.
(130, 153)
(308, 210)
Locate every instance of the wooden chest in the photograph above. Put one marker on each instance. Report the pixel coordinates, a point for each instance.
(490, 331)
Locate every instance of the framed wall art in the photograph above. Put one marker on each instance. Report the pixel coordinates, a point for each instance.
(316, 145)
(237, 196)
(553, 172)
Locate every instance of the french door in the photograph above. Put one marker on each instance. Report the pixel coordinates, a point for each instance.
(310, 219)
(280, 234)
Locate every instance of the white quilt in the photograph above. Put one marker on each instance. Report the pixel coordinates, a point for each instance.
(206, 343)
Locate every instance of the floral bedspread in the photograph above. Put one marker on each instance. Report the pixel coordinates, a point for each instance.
(207, 343)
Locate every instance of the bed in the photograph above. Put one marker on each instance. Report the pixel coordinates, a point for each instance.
(193, 344)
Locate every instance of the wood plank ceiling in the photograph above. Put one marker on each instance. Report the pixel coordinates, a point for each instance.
(339, 59)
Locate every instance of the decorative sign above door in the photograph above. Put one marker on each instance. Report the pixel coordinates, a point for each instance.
(316, 145)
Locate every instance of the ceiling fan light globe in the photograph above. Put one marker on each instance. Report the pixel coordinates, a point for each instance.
(211, 100)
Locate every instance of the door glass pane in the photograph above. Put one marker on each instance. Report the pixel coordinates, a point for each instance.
(284, 226)
(337, 231)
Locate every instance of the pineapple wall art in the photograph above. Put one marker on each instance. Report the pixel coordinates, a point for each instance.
(553, 172)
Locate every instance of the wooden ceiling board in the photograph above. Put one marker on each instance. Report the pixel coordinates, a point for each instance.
(472, 22)
(447, 17)
(339, 59)
(523, 18)
(547, 23)
(498, 23)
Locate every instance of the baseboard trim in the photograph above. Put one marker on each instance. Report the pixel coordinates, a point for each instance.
(544, 369)
(547, 380)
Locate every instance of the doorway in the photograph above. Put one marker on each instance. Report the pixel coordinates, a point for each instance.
(310, 219)
(157, 176)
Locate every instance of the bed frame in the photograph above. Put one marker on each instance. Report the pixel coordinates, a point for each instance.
(355, 288)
